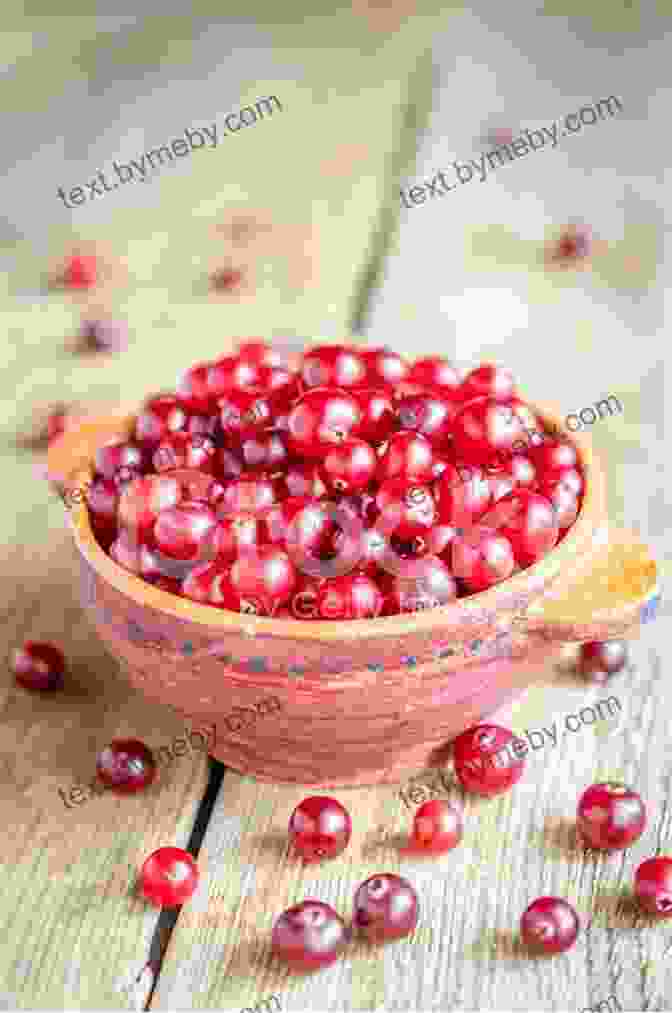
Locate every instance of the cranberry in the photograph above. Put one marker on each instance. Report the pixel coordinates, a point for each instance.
(264, 452)
(600, 659)
(142, 501)
(436, 372)
(234, 534)
(429, 585)
(119, 454)
(463, 495)
(573, 245)
(127, 765)
(483, 427)
(249, 493)
(208, 583)
(428, 413)
(406, 510)
(406, 455)
(549, 925)
(333, 366)
(102, 498)
(204, 425)
(554, 456)
(193, 391)
(384, 368)
(385, 907)
(185, 531)
(437, 827)
(229, 464)
(488, 381)
(168, 877)
(300, 478)
(564, 503)
(182, 450)
(160, 416)
(501, 485)
(653, 886)
(309, 936)
(258, 583)
(521, 470)
(529, 523)
(481, 558)
(320, 827)
(81, 272)
(348, 466)
(278, 518)
(244, 413)
(56, 422)
(259, 354)
(319, 533)
(353, 596)
(195, 484)
(378, 414)
(38, 665)
(230, 373)
(610, 816)
(321, 417)
(478, 762)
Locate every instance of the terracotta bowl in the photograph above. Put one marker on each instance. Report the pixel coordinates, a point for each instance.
(360, 702)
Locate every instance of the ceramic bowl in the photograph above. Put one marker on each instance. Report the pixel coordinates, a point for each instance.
(331, 704)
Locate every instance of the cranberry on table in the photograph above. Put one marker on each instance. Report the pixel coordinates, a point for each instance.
(353, 596)
(610, 816)
(169, 877)
(481, 558)
(81, 271)
(436, 372)
(437, 827)
(378, 414)
(184, 450)
(321, 417)
(38, 665)
(126, 765)
(160, 416)
(599, 660)
(320, 827)
(528, 521)
(406, 454)
(549, 925)
(385, 908)
(479, 765)
(653, 886)
(484, 427)
(348, 466)
(488, 381)
(383, 367)
(309, 936)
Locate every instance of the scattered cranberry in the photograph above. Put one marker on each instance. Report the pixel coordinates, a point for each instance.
(127, 765)
(488, 381)
(573, 245)
(480, 768)
(610, 816)
(437, 827)
(320, 827)
(56, 422)
(81, 272)
(169, 877)
(549, 925)
(600, 659)
(385, 907)
(38, 665)
(226, 280)
(653, 886)
(309, 936)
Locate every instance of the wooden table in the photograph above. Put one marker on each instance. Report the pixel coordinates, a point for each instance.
(331, 251)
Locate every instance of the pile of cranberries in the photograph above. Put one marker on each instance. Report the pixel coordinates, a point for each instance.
(352, 486)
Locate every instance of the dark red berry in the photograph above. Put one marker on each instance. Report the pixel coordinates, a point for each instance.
(549, 925)
(333, 366)
(384, 368)
(385, 907)
(182, 450)
(488, 381)
(485, 761)
(320, 827)
(160, 416)
(321, 417)
(126, 765)
(38, 665)
(610, 816)
(407, 454)
(309, 936)
(437, 827)
(348, 467)
(599, 660)
(653, 886)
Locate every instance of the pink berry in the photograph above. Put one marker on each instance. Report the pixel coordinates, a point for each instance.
(185, 531)
(249, 493)
(160, 416)
(429, 413)
(127, 765)
(378, 414)
(437, 827)
(235, 534)
(168, 877)
(259, 582)
(564, 503)
(353, 596)
(549, 925)
(119, 454)
(231, 373)
(348, 467)
(384, 368)
(554, 456)
(600, 659)
(183, 450)
(488, 381)
(320, 827)
(479, 763)
(142, 501)
(259, 353)
(429, 585)
(309, 936)
(193, 391)
(463, 495)
(528, 521)
(436, 372)
(385, 907)
(81, 272)
(405, 510)
(102, 498)
(265, 452)
(481, 558)
(38, 665)
(333, 366)
(610, 816)
(484, 427)
(244, 413)
(407, 454)
(321, 417)
(653, 886)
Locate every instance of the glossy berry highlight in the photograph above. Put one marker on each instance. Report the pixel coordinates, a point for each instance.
(126, 765)
(309, 936)
(385, 908)
(610, 816)
(320, 828)
(549, 925)
(168, 877)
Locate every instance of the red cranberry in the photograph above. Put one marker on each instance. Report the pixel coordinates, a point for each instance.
(102, 498)
(230, 373)
(259, 353)
(521, 470)
(229, 464)
(309, 936)
(610, 816)
(481, 558)
(488, 381)
(406, 510)
(529, 523)
(436, 372)
(142, 501)
(320, 827)
(653, 886)
(258, 583)
(479, 765)
(549, 925)
(437, 827)
(564, 503)
(127, 765)
(81, 272)
(185, 531)
(385, 907)
(354, 596)
(56, 421)
(300, 478)
(428, 413)
(38, 665)
(203, 425)
(600, 659)
(378, 414)
(264, 452)
(193, 391)
(119, 454)
(383, 367)
(321, 417)
(348, 466)
(160, 416)
(197, 485)
(249, 493)
(333, 366)
(316, 535)
(406, 455)
(234, 534)
(244, 413)
(181, 450)
(554, 456)
(483, 427)
(431, 584)
(208, 583)
(278, 518)
(501, 485)
(463, 495)
(168, 877)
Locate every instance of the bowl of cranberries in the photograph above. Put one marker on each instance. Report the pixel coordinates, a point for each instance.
(389, 547)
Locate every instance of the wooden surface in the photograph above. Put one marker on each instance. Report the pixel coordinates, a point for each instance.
(325, 179)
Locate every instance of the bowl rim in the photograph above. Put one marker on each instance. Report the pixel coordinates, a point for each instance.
(575, 544)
